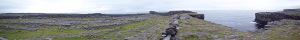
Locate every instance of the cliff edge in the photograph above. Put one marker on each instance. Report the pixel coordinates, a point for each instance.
(193, 14)
(265, 17)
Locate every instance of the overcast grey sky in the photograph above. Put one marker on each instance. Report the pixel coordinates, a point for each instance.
(90, 6)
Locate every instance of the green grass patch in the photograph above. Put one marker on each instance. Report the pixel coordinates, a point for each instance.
(133, 25)
(13, 34)
(124, 28)
(191, 37)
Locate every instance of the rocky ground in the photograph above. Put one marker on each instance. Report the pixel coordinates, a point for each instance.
(282, 30)
(197, 29)
(79, 28)
(143, 27)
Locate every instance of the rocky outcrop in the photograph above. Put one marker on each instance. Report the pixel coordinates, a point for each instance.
(193, 14)
(265, 17)
(199, 16)
(291, 10)
(180, 12)
(171, 12)
(283, 29)
(284, 22)
(2, 38)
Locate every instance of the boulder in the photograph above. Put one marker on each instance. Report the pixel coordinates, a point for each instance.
(2, 38)
(199, 16)
(47, 39)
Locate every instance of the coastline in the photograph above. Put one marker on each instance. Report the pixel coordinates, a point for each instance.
(145, 26)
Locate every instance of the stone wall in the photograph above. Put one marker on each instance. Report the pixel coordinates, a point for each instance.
(265, 17)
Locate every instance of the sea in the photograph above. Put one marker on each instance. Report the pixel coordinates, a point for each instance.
(237, 19)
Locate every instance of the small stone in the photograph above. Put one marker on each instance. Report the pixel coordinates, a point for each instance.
(78, 27)
(105, 38)
(17, 31)
(215, 37)
(231, 36)
(248, 36)
(72, 26)
(2, 38)
(187, 23)
(47, 39)
(263, 39)
(125, 38)
(246, 39)
(203, 39)
(134, 36)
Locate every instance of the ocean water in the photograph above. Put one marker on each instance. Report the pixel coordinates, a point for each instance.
(237, 19)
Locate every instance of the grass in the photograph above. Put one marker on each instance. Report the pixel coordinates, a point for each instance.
(197, 26)
(130, 33)
(124, 28)
(12, 34)
(191, 37)
(206, 27)
(274, 33)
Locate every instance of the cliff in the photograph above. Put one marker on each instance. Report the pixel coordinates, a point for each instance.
(265, 17)
(199, 16)
(283, 23)
(171, 12)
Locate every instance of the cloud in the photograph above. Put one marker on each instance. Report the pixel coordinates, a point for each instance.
(108, 6)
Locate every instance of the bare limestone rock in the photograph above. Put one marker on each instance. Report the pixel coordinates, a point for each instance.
(199, 16)
(136, 38)
(2, 38)
(265, 17)
(231, 36)
(47, 39)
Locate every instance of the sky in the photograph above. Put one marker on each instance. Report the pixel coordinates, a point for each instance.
(110, 6)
